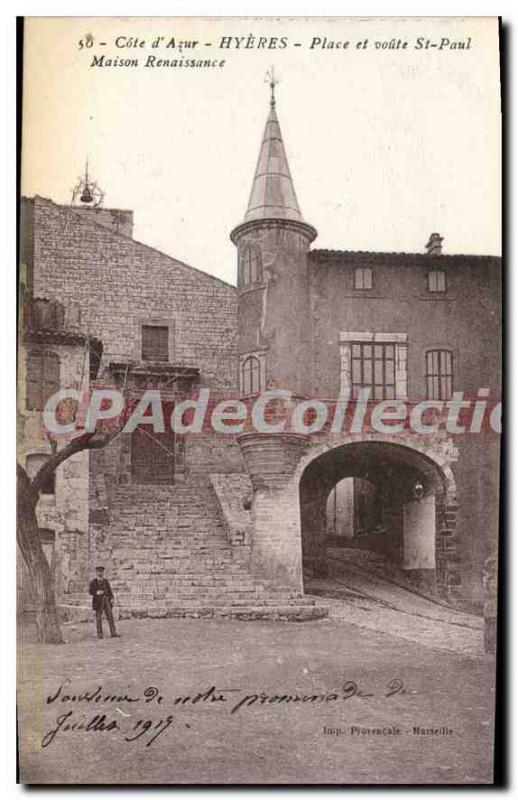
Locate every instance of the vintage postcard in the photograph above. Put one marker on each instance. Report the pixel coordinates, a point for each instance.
(259, 400)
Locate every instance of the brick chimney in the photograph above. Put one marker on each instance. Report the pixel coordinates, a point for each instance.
(434, 246)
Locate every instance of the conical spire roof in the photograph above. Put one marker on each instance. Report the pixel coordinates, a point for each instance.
(273, 195)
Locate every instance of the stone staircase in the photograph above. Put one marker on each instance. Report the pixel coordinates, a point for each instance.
(167, 553)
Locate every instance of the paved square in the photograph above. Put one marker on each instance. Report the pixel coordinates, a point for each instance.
(329, 734)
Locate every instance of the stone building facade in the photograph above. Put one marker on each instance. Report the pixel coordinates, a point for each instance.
(193, 523)
(52, 355)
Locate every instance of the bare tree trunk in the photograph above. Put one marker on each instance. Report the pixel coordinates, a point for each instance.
(29, 541)
(28, 534)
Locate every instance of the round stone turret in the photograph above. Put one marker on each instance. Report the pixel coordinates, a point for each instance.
(272, 245)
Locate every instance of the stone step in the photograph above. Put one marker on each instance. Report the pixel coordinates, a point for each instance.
(143, 599)
(168, 545)
(121, 587)
(150, 554)
(288, 613)
(168, 539)
(247, 612)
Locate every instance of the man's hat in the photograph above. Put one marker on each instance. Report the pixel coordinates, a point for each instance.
(99, 568)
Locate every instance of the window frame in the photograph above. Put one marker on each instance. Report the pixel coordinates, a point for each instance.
(437, 272)
(37, 396)
(368, 355)
(250, 267)
(248, 389)
(360, 273)
(159, 326)
(444, 377)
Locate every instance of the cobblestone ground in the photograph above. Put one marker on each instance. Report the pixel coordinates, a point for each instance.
(382, 606)
(267, 740)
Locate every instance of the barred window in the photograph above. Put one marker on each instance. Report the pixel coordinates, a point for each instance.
(363, 278)
(250, 267)
(439, 374)
(155, 343)
(374, 368)
(250, 375)
(42, 378)
(436, 280)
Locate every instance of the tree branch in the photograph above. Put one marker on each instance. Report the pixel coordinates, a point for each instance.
(87, 441)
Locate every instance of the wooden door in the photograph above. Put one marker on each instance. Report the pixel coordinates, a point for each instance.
(152, 456)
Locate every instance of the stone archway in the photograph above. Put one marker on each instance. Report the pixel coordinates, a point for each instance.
(417, 491)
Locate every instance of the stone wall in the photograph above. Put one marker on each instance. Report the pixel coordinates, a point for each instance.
(273, 313)
(465, 319)
(234, 494)
(116, 219)
(121, 284)
(206, 453)
(65, 513)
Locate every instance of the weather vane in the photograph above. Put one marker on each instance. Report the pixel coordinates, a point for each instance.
(86, 191)
(271, 79)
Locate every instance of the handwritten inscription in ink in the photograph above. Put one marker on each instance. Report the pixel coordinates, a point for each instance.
(121, 718)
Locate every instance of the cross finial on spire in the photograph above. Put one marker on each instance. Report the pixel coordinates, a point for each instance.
(273, 81)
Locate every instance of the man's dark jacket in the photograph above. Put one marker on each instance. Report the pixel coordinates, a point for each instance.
(97, 599)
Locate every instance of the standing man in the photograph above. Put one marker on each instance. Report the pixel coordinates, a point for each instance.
(102, 600)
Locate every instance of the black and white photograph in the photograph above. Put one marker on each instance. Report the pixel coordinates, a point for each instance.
(259, 385)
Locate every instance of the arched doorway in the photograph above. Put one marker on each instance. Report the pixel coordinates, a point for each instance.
(355, 506)
(387, 498)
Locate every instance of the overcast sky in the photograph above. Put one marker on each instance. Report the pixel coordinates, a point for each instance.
(385, 146)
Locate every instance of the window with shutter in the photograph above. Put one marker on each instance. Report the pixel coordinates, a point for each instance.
(363, 278)
(155, 343)
(34, 379)
(250, 267)
(42, 378)
(50, 376)
(437, 281)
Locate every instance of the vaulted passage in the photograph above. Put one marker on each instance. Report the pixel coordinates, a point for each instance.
(381, 497)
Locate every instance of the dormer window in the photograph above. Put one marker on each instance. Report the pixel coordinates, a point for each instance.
(363, 278)
(250, 267)
(437, 280)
